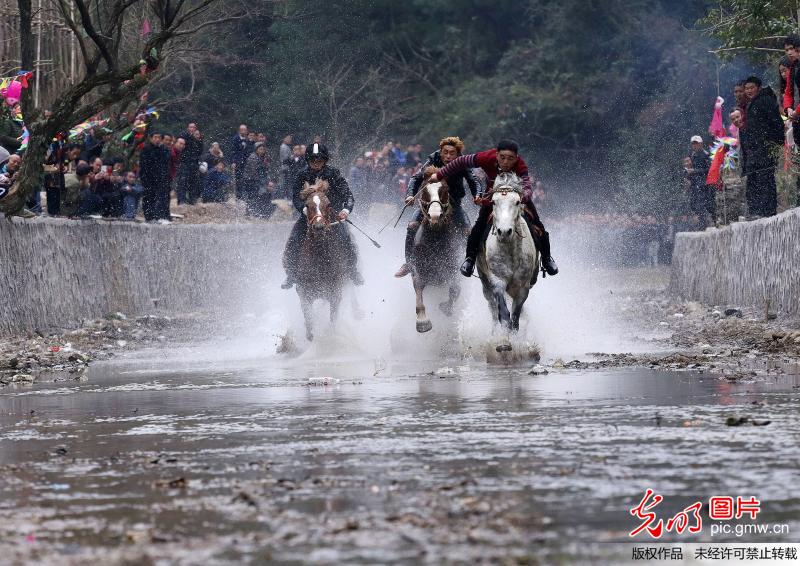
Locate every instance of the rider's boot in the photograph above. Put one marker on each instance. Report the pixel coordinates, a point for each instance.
(405, 269)
(468, 267)
(543, 245)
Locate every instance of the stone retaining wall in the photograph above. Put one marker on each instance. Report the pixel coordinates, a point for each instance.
(744, 264)
(54, 272)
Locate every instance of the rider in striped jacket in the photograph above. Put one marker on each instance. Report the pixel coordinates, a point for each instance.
(505, 158)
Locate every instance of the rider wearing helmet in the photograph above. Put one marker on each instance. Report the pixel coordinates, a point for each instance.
(341, 199)
(505, 158)
(449, 149)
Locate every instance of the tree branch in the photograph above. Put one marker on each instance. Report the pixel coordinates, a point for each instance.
(99, 41)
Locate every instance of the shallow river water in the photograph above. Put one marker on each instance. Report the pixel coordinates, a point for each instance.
(147, 461)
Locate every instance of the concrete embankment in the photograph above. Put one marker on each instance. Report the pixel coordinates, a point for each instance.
(744, 264)
(54, 272)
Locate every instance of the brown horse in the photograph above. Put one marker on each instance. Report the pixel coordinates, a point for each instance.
(434, 257)
(321, 270)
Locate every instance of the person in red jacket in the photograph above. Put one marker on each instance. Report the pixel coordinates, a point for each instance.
(503, 159)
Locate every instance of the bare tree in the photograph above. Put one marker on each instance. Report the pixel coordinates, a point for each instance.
(111, 56)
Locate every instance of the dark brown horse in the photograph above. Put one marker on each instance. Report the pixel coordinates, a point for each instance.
(434, 258)
(321, 271)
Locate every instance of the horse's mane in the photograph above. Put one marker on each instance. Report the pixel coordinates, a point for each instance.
(321, 186)
(508, 182)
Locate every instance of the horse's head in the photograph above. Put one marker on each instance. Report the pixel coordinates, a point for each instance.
(434, 201)
(507, 201)
(317, 205)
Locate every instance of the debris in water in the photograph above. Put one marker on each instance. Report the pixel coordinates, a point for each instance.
(322, 380)
(246, 498)
(739, 421)
(177, 483)
(538, 370)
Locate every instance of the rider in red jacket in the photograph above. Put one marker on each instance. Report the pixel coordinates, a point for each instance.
(504, 159)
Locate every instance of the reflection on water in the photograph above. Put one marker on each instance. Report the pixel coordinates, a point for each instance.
(477, 462)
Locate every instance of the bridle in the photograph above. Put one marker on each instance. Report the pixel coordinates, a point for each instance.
(504, 190)
(321, 216)
(425, 206)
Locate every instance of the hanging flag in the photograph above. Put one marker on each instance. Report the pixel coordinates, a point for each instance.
(717, 128)
(24, 138)
(145, 28)
(723, 156)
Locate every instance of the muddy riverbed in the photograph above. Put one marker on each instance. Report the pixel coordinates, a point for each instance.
(172, 452)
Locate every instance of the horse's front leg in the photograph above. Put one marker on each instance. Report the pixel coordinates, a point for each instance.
(447, 306)
(336, 300)
(518, 302)
(306, 304)
(423, 322)
(498, 288)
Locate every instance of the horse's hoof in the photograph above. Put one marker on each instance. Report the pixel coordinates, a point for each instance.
(424, 326)
(503, 347)
(446, 308)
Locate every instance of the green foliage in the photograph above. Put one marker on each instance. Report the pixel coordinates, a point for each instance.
(602, 96)
(751, 27)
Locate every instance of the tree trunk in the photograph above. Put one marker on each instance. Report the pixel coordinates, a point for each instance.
(30, 173)
(31, 167)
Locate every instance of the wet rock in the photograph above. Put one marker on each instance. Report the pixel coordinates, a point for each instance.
(22, 378)
(61, 450)
(733, 312)
(538, 370)
(558, 364)
(246, 498)
(177, 483)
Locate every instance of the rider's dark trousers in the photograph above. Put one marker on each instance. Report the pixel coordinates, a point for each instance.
(291, 255)
(478, 234)
(459, 217)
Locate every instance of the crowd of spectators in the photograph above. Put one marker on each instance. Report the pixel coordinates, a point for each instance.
(89, 177)
(762, 123)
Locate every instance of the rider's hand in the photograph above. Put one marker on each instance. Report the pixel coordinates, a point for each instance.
(409, 200)
(478, 199)
(433, 178)
(343, 216)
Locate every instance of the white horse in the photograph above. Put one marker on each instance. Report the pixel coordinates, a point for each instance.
(510, 260)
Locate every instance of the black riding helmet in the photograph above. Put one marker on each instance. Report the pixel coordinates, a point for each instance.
(317, 151)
